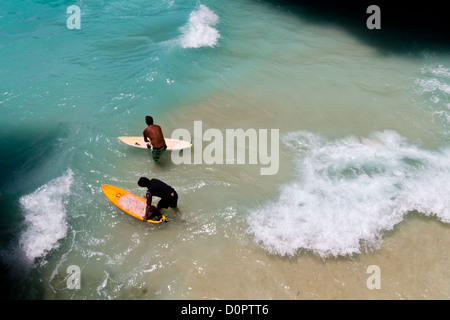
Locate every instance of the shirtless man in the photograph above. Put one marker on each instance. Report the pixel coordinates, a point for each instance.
(157, 142)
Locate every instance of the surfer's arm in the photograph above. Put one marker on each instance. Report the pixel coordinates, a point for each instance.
(147, 210)
(148, 196)
(148, 140)
(145, 137)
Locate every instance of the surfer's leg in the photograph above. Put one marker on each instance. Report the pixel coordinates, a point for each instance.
(155, 155)
(163, 203)
(157, 152)
(174, 200)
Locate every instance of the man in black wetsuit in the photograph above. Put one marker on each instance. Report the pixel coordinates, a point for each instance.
(155, 187)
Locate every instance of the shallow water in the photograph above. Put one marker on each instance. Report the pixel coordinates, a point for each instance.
(363, 155)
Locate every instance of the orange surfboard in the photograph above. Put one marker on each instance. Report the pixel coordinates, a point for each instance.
(128, 202)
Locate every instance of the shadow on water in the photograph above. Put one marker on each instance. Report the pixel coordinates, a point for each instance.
(24, 154)
(406, 28)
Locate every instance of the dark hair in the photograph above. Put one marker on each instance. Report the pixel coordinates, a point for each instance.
(143, 182)
(149, 120)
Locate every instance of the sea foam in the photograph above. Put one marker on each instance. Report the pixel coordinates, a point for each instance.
(347, 192)
(200, 31)
(45, 217)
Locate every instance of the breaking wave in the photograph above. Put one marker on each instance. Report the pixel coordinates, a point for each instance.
(199, 31)
(347, 192)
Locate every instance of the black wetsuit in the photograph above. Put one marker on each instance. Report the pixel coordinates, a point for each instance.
(168, 195)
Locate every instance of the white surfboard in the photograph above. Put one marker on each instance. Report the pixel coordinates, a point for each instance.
(172, 144)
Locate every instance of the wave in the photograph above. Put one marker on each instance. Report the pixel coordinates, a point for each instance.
(45, 218)
(347, 192)
(199, 31)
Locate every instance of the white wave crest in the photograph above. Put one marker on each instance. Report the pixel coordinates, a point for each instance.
(348, 192)
(45, 217)
(199, 31)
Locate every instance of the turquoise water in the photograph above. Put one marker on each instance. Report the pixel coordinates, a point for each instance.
(364, 142)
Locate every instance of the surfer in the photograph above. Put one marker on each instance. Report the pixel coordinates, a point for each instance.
(154, 135)
(155, 187)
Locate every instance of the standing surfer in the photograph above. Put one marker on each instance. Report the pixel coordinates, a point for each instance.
(154, 135)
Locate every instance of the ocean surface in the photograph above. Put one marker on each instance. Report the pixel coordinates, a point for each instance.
(363, 175)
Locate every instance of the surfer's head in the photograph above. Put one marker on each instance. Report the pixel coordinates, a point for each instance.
(149, 120)
(143, 182)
